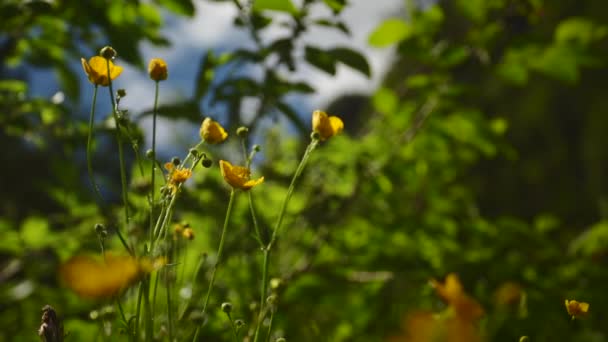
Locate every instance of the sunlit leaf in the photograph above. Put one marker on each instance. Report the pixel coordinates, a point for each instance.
(391, 31)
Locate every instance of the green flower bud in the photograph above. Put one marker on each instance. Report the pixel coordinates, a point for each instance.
(194, 152)
(257, 148)
(150, 154)
(242, 131)
(176, 161)
(108, 52)
(121, 92)
(239, 323)
(207, 163)
(226, 307)
(272, 299)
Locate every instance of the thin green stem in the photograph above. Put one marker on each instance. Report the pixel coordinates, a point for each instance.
(270, 325)
(89, 146)
(169, 306)
(313, 144)
(123, 176)
(153, 171)
(262, 292)
(236, 334)
(219, 250)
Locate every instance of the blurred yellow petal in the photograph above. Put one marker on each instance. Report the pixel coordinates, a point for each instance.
(93, 278)
(577, 309)
(453, 294)
(238, 177)
(212, 132)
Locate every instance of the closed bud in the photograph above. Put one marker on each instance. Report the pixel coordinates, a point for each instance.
(226, 307)
(121, 92)
(272, 299)
(242, 131)
(176, 161)
(257, 148)
(108, 52)
(207, 163)
(239, 323)
(194, 152)
(150, 154)
(100, 229)
(157, 69)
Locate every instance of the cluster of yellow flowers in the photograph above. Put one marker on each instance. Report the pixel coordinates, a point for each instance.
(93, 278)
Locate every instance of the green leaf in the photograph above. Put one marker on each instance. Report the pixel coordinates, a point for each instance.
(206, 72)
(35, 232)
(275, 5)
(391, 31)
(385, 101)
(336, 5)
(181, 7)
(321, 59)
(353, 59)
(188, 110)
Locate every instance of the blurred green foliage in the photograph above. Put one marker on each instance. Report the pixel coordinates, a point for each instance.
(482, 153)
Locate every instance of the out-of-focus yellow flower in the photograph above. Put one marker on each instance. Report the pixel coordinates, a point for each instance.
(452, 293)
(508, 293)
(188, 233)
(237, 176)
(180, 175)
(425, 326)
(577, 309)
(157, 69)
(97, 70)
(92, 278)
(327, 126)
(212, 132)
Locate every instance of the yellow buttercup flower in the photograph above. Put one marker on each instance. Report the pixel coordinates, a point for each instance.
(577, 309)
(93, 278)
(238, 177)
(212, 132)
(97, 70)
(157, 69)
(326, 126)
(453, 294)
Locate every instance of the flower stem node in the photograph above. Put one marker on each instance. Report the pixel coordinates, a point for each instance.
(108, 52)
(150, 154)
(242, 132)
(157, 69)
(226, 307)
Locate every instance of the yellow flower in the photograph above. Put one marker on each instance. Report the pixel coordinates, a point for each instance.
(188, 233)
(179, 175)
(157, 69)
(326, 126)
(238, 176)
(508, 293)
(212, 132)
(453, 294)
(92, 278)
(97, 70)
(577, 309)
